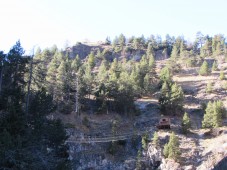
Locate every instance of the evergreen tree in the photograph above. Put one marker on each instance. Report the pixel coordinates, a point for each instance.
(147, 84)
(150, 50)
(176, 98)
(175, 52)
(24, 139)
(186, 123)
(172, 150)
(145, 141)
(61, 80)
(91, 60)
(51, 76)
(209, 88)
(224, 85)
(182, 48)
(165, 75)
(171, 99)
(222, 75)
(115, 42)
(208, 116)
(155, 140)
(200, 38)
(115, 69)
(219, 113)
(76, 64)
(151, 61)
(164, 99)
(219, 50)
(214, 66)
(136, 43)
(204, 69)
(166, 150)
(121, 40)
(215, 112)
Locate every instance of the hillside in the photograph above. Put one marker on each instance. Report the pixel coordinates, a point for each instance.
(135, 104)
(198, 150)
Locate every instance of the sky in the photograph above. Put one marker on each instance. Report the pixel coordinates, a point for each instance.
(64, 22)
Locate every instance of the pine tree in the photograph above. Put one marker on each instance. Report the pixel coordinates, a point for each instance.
(164, 99)
(175, 52)
(165, 75)
(215, 112)
(147, 84)
(224, 85)
(217, 118)
(214, 66)
(172, 150)
(208, 116)
(219, 50)
(166, 150)
(102, 74)
(76, 64)
(219, 113)
(176, 98)
(144, 141)
(150, 50)
(115, 69)
(182, 48)
(222, 75)
(204, 69)
(52, 73)
(121, 40)
(155, 140)
(61, 80)
(186, 123)
(151, 61)
(91, 60)
(209, 88)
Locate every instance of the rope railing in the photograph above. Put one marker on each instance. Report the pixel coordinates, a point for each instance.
(107, 138)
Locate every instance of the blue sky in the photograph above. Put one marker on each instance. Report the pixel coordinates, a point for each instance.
(48, 22)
